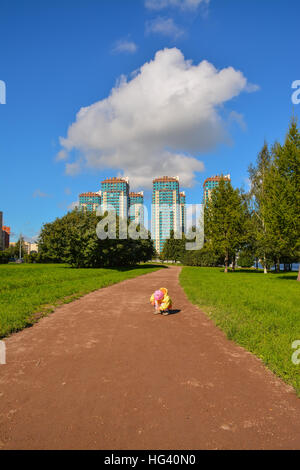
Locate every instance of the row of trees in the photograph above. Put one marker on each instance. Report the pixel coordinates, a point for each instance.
(260, 225)
(275, 201)
(73, 239)
(14, 252)
(175, 250)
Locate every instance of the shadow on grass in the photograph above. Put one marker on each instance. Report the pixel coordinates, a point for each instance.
(222, 269)
(288, 275)
(281, 275)
(242, 271)
(119, 268)
(291, 277)
(138, 266)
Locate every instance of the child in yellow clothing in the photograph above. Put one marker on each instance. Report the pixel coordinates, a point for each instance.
(161, 301)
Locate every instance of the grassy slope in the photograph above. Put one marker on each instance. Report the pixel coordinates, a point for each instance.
(28, 289)
(260, 312)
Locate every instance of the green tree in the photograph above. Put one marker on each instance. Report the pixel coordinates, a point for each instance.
(225, 218)
(4, 256)
(14, 250)
(173, 248)
(281, 207)
(261, 240)
(205, 257)
(73, 239)
(246, 259)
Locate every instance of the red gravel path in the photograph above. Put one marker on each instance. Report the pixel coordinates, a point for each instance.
(105, 373)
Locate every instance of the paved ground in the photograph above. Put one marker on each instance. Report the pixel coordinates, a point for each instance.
(105, 373)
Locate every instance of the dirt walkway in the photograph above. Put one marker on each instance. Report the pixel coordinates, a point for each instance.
(105, 373)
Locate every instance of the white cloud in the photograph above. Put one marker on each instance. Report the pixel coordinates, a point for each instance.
(238, 118)
(39, 193)
(62, 155)
(158, 122)
(124, 45)
(73, 169)
(182, 4)
(165, 26)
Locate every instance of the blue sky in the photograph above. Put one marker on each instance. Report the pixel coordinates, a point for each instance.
(60, 56)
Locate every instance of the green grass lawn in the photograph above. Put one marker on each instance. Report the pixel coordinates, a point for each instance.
(28, 291)
(260, 312)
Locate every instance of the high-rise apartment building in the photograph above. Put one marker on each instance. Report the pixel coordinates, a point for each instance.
(165, 209)
(182, 211)
(211, 183)
(90, 201)
(115, 193)
(136, 207)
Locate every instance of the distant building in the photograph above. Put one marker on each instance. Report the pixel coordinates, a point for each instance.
(90, 201)
(4, 234)
(1, 236)
(12, 244)
(182, 211)
(115, 193)
(136, 207)
(211, 183)
(30, 247)
(27, 247)
(165, 209)
(5, 237)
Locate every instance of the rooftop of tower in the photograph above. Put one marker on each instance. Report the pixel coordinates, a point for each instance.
(164, 179)
(90, 194)
(116, 179)
(133, 194)
(217, 178)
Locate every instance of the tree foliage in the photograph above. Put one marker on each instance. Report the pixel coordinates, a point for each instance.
(262, 245)
(205, 257)
(275, 191)
(226, 221)
(4, 257)
(173, 248)
(281, 207)
(72, 239)
(246, 259)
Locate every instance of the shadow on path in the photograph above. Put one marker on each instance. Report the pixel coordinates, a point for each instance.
(174, 312)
